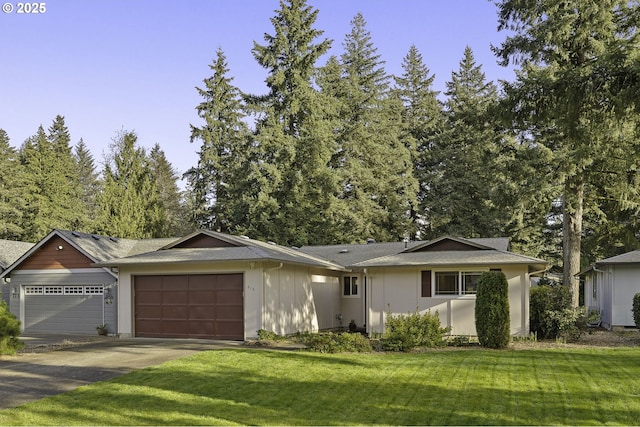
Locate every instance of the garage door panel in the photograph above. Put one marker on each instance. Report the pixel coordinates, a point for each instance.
(199, 297)
(202, 282)
(175, 312)
(229, 313)
(229, 281)
(196, 306)
(229, 298)
(149, 311)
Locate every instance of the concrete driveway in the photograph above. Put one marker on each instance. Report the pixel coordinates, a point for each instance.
(33, 375)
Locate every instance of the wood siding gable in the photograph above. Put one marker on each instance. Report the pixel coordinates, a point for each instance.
(446, 245)
(56, 253)
(204, 241)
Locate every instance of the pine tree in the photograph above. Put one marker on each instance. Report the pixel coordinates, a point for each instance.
(424, 122)
(174, 223)
(89, 186)
(377, 187)
(130, 205)
(216, 183)
(293, 140)
(463, 159)
(54, 199)
(12, 190)
(573, 58)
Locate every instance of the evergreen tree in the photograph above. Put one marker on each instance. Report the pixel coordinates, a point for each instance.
(174, 223)
(89, 185)
(216, 183)
(130, 205)
(464, 158)
(573, 57)
(377, 186)
(12, 191)
(293, 140)
(54, 199)
(424, 122)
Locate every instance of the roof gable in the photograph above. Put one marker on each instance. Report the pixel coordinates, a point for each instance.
(448, 244)
(55, 253)
(203, 240)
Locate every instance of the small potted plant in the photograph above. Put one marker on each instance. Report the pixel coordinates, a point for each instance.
(594, 318)
(102, 329)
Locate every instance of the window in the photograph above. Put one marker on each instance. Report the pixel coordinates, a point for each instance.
(53, 290)
(447, 283)
(73, 290)
(470, 283)
(350, 286)
(33, 290)
(594, 284)
(452, 283)
(94, 290)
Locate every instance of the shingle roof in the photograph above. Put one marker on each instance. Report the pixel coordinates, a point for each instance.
(102, 248)
(245, 250)
(355, 254)
(458, 258)
(96, 247)
(632, 257)
(10, 251)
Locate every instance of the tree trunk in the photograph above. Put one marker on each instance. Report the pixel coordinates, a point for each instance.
(572, 234)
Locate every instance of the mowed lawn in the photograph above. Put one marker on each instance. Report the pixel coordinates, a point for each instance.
(444, 387)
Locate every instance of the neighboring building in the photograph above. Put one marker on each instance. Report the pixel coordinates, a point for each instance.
(54, 287)
(214, 285)
(10, 251)
(609, 285)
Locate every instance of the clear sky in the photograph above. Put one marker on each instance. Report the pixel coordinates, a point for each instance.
(108, 65)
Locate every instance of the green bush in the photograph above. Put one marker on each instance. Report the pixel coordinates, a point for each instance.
(9, 331)
(636, 310)
(568, 323)
(492, 310)
(328, 342)
(548, 297)
(404, 333)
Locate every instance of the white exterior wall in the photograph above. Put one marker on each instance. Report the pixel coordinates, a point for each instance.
(327, 298)
(626, 280)
(253, 288)
(289, 304)
(398, 290)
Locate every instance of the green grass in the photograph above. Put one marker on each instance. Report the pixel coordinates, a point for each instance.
(444, 387)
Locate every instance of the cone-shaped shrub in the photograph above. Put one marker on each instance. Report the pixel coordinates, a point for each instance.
(492, 310)
(636, 310)
(9, 331)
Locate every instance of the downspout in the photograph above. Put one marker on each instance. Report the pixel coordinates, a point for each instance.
(275, 268)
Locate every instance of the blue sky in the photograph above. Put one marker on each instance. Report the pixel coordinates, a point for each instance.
(108, 65)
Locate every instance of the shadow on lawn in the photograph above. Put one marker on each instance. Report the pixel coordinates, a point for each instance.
(288, 388)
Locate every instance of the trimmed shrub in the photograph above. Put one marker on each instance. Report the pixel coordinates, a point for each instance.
(492, 310)
(9, 331)
(636, 310)
(406, 332)
(548, 297)
(568, 323)
(335, 343)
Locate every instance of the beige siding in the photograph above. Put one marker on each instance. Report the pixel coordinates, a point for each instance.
(289, 305)
(327, 298)
(398, 291)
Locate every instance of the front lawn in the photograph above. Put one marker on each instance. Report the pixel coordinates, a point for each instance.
(444, 387)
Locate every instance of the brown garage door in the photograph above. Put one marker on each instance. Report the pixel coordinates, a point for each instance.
(189, 306)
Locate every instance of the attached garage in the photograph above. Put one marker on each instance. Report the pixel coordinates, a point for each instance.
(74, 309)
(206, 306)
